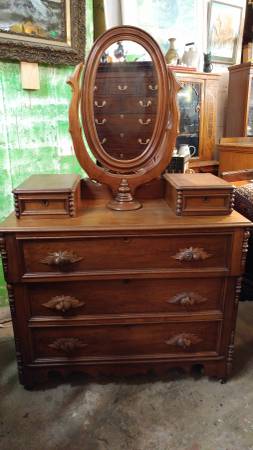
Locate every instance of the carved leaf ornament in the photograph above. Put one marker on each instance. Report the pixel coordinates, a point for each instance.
(67, 345)
(187, 299)
(184, 340)
(191, 254)
(61, 258)
(63, 303)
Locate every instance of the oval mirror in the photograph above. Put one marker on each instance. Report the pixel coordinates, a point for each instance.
(125, 100)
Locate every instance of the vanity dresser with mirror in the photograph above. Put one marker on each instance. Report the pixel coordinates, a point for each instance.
(128, 270)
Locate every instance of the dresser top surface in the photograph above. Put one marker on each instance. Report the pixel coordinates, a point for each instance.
(154, 215)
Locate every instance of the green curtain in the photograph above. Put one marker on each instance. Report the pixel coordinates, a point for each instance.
(98, 17)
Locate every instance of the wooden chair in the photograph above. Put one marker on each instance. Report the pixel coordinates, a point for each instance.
(243, 180)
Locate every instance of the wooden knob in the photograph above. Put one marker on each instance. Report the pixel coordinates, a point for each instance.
(67, 345)
(63, 303)
(61, 258)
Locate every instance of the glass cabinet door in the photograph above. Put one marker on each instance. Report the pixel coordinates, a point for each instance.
(250, 111)
(189, 101)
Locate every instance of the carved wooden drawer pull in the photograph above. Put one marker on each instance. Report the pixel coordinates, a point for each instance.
(122, 87)
(187, 299)
(100, 105)
(144, 122)
(143, 142)
(61, 258)
(67, 345)
(145, 104)
(184, 340)
(191, 254)
(63, 303)
(153, 88)
(100, 122)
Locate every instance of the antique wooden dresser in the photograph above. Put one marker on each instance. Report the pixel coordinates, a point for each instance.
(126, 285)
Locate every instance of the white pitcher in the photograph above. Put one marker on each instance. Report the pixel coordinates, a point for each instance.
(185, 150)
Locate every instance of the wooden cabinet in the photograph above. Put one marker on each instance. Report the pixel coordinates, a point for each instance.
(235, 153)
(99, 294)
(198, 108)
(240, 101)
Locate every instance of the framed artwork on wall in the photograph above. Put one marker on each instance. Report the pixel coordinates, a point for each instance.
(47, 31)
(225, 27)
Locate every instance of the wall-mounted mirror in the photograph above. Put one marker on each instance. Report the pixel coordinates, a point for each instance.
(127, 99)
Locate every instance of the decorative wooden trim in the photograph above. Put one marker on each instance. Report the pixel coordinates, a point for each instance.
(61, 258)
(63, 303)
(232, 201)
(245, 246)
(16, 204)
(153, 161)
(72, 208)
(238, 288)
(179, 203)
(4, 256)
(12, 304)
(191, 254)
(124, 199)
(184, 340)
(230, 354)
(50, 53)
(67, 345)
(187, 299)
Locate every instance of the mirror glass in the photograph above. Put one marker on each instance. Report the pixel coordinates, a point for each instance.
(125, 100)
(189, 100)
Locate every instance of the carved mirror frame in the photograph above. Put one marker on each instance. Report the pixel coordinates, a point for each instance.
(123, 176)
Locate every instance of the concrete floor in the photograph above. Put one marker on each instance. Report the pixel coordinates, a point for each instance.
(177, 413)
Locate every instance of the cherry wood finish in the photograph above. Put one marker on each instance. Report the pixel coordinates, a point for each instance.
(152, 290)
(123, 176)
(47, 195)
(204, 194)
(240, 97)
(109, 292)
(235, 153)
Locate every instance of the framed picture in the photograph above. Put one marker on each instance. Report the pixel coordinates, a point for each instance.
(224, 31)
(47, 31)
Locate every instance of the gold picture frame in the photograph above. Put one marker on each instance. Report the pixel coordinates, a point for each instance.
(49, 31)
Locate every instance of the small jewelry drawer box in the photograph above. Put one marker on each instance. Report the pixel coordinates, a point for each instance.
(198, 194)
(48, 196)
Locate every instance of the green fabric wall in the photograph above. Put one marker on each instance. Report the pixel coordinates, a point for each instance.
(34, 135)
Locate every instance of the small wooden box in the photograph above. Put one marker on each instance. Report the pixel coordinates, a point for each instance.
(198, 194)
(47, 196)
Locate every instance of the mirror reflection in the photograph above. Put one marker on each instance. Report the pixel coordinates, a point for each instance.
(125, 100)
(189, 100)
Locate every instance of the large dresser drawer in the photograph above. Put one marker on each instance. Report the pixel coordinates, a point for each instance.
(126, 340)
(126, 296)
(129, 253)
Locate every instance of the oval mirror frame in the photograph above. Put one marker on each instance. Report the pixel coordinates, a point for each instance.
(123, 176)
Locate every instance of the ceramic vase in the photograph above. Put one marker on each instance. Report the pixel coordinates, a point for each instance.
(171, 55)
